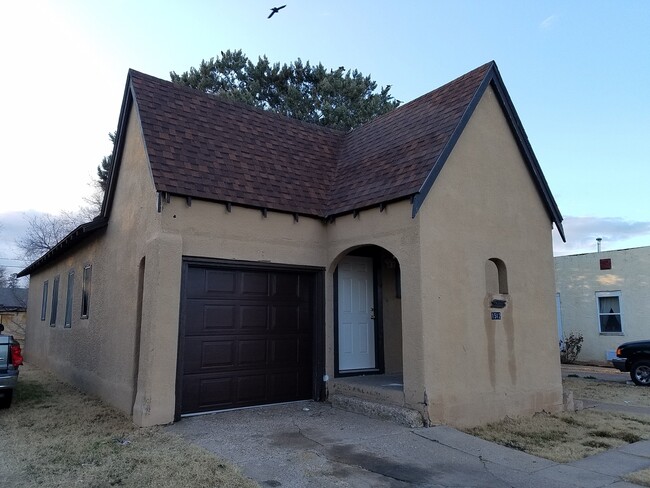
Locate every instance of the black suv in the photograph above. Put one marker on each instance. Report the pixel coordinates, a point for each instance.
(10, 358)
(635, 358)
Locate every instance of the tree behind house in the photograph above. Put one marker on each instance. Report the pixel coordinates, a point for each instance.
(334, 98)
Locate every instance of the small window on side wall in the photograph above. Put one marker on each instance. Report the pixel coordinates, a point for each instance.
(609, 312)
(496, 276)
(85, 291)
(68, 300)
(44, 303)
(55, 301)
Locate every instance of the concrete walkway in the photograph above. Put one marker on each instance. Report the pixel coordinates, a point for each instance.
(312, 444)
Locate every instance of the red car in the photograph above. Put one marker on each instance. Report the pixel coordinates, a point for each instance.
(10, 359)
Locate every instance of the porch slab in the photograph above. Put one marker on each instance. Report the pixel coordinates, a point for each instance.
(377, 396)
(380, 388)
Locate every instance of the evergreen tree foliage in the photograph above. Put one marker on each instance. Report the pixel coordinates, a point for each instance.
(104, 168)
(335, 98)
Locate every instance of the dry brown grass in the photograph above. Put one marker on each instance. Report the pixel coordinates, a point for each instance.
(607, 391)
(640, 477)
(569, 436)
(55, 436)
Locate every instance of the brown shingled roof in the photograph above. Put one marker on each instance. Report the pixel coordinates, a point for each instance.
(208, 147)
(391, 157)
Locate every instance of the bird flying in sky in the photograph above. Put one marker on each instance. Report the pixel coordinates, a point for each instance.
(275, 10)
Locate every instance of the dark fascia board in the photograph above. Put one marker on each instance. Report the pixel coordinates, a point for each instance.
(74, 237)
(118, 147)
(493, 78)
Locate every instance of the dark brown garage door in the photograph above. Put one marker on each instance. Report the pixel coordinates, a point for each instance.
(247, 337)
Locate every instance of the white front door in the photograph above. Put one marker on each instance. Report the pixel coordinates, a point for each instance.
(356, 314)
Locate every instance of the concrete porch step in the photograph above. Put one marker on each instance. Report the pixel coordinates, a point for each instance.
(376, 388)
(393, 413)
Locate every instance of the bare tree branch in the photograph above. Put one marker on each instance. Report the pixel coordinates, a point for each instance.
(46, 230)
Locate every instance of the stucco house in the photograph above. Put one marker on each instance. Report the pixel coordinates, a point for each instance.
(245, 258)
(604, 296)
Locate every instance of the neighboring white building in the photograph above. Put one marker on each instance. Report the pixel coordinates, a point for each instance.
(605, 296)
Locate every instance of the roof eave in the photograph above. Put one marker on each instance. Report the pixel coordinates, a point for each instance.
(77, 235)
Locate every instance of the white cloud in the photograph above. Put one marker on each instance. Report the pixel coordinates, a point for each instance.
(616, 233)
(549, 22)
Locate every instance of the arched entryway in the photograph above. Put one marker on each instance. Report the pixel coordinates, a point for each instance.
(367, 313)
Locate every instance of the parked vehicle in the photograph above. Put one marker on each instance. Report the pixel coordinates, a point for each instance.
(635, 358)
(10, 359)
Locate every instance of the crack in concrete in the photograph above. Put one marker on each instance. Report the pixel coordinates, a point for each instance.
(485, 462)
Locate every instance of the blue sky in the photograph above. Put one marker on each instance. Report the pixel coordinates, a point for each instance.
(578, 73)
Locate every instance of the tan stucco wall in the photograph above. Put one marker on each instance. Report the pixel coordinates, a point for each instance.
(99, 354)
(578, 279)
(484, 205)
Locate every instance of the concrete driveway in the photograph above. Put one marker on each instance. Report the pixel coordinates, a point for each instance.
(312, 444)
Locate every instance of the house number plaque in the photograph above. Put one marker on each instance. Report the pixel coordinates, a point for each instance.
(496, 315)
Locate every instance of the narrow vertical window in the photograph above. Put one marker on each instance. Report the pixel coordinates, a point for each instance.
(85, 291)
(609, 312)
(68, 300)
(55, 301)
(44, 303)
(496, 276)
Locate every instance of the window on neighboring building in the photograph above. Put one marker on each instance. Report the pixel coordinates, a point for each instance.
(609, 312)
(55, 301)
(68, 300)
(85, 291)
(44, 303)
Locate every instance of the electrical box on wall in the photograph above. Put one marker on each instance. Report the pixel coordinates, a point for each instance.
(606, 263)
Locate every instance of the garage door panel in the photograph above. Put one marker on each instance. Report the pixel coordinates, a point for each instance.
(284, 384)
(254, 284)
(285, 285)
(200, 282)
(214, 392)
(203, 316)
(252, 353)
(251, 389)
(247, 337)
(253, 317)
(285, 318)
(284, 352)
(202, 355)
(219, 282)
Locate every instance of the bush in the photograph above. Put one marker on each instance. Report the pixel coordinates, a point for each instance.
(570, 347)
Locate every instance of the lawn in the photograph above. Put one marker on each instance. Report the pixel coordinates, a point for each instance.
(569, 436)
(55, 436)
